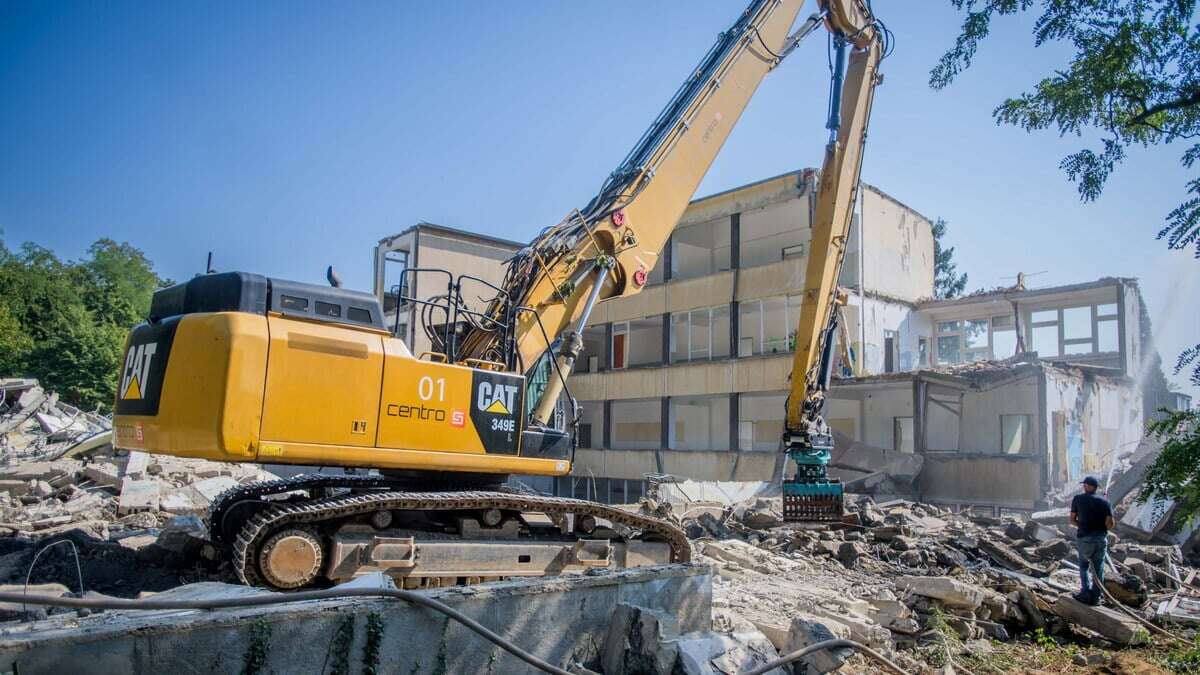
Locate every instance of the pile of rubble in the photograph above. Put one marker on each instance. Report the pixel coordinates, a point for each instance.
(900, 577)
(125, 513)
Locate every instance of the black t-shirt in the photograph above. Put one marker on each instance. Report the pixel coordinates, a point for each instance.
(1092, 514)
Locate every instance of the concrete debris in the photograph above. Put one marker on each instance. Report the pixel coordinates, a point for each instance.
(894, 574)
(60, 476)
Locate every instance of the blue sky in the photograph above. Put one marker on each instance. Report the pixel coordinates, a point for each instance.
(285, 136)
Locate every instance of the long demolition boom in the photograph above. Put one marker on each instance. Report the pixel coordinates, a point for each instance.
(811, 494)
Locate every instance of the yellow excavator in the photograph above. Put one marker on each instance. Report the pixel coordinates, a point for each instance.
(238, 367)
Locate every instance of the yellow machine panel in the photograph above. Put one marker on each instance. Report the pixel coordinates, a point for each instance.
(194, 386)
(322, 383)
(426, 405)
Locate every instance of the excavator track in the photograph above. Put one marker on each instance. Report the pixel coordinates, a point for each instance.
(219, 510)
(274, 517)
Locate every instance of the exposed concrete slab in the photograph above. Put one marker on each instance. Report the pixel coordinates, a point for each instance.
(559, 619)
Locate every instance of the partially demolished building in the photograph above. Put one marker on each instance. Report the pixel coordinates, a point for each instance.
(993, 400)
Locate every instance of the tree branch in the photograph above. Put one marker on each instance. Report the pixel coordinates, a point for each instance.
(1182, 102)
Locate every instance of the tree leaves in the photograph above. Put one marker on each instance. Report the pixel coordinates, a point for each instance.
(947, 283)
(65, 323)
(1135, 77)
(1176, 472)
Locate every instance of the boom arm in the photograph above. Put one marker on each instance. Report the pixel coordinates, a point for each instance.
(615, 240)
(811, 495)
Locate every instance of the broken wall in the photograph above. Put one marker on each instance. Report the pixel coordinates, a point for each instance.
(1090, 421)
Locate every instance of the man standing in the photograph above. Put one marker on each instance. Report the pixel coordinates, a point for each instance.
(1092, 515)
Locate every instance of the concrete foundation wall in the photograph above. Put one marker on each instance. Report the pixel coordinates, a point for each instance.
(559, 620)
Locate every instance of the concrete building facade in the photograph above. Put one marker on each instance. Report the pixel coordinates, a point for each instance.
(942, 400)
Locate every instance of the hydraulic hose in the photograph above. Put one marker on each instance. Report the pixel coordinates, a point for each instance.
(827, 644)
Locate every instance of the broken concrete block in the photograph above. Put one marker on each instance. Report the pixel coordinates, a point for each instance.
(14, 488)
(951, 592)
(179, 502)
(1036, 532)
(103, 473)
(1110, 623)
(849, 551)
(40, 488)
(723, 653)
(1055, 549)
(205, 491)
(808, 630)
(83, 504)
(138, 495)
(638, 641)
(136, 464)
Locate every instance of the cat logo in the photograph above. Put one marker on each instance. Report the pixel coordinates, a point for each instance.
(137, 369)
(496, 398)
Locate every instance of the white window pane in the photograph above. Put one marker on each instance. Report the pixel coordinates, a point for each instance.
(699, 333)
(1045, 341)
(1044, 315)
(679, 338)
(1070, 348)
(1077, 323)
(1004, 344)
(636, 425)
(975, 334)
(1108, 336)
(760, 421)
(775, 325)
(720, 332)
(948, 327)
(948, 349)
(1106, 310)
(749, 328)
(903, 434)
(700, 423)
(1013, 432)
(1003, 321)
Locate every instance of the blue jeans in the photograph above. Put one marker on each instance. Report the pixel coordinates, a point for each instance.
(1092, 550)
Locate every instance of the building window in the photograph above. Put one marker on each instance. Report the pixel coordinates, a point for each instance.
(701, 249)
(922, 351)
(699, 423)
(395, 263)
(636, 424)
(1075, 331)
(767, 326)
(890, 339)
(1107, 335)
(1004, 337)
(637, 343)
(1015, 434)
(902, 434)
(1043, 333)
(591, 424)
(594, 357)
(773, 233)
(700, 334)
(962, 341)
(760, 421)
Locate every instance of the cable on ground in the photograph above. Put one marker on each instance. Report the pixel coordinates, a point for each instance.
(827, 644)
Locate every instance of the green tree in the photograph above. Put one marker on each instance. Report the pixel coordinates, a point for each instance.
(65, 322)
(947, 282)
(1134, 80)
(1176, 472)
